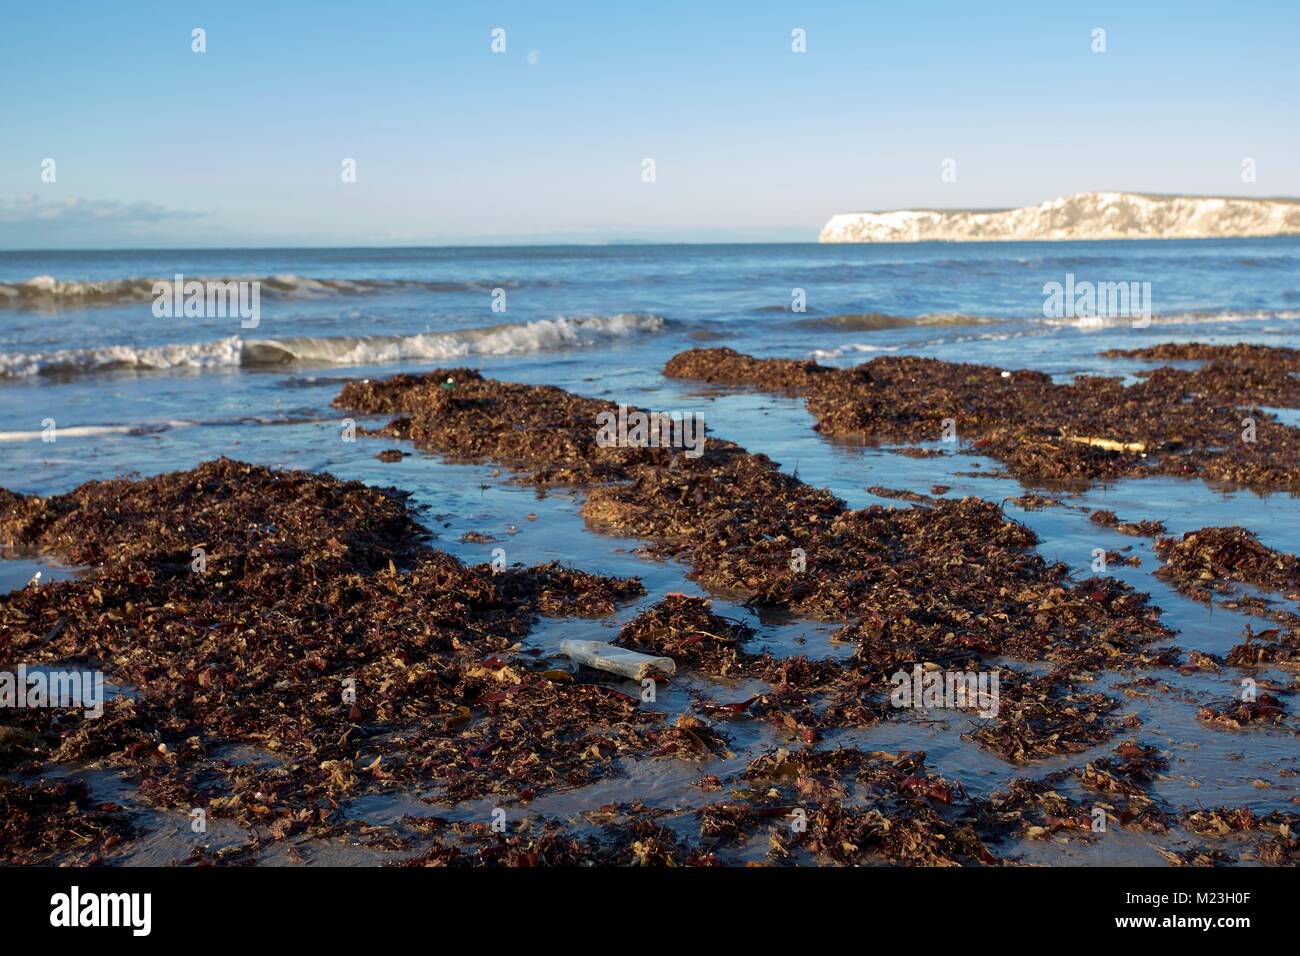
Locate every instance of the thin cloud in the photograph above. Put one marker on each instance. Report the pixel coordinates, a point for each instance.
(31, 210)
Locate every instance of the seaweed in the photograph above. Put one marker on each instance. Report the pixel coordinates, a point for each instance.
(952, 573)
(301, 636)
(1182, 422)
(1233, 714)
(1206, 559)
(47, 822)
(1138, 529)
(309, 619)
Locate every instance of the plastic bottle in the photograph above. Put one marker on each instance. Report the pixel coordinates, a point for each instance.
(616, 660)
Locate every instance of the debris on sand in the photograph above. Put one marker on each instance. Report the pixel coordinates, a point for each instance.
(1041, 716)
(1137, 529)
(1203, 561)
(1207, 422)
(1034, 502)
(686, 629)
(912, 818)
(949, 581)
(1228, 562)
(1127, 782)
(57, 822)
(1269, 838)
(238, 514)
(307, 619)
(954, 575)
(1257, 653)
(616, 660)
(318, 629)
(1233, 714)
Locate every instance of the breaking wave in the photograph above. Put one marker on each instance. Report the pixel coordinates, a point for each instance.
(1175, 318)
(853, 348)
(48, 293)
(858, 348)
(871, 321)
(539, 336)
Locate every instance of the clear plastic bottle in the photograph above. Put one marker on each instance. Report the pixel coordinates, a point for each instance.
(616, 660)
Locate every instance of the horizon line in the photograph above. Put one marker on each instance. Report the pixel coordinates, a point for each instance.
(637, 243)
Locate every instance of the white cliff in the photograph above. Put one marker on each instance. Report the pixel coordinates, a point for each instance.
(1082, 216)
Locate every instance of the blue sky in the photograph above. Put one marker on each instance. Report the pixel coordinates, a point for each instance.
(156, 145)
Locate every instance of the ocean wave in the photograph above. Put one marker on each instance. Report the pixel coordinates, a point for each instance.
(233, 352)
(151, 428)
(48, 293)
(776, 309)
(96, 431)
(871, 321)
(858, 348)
(853, 348)
(1173, 318)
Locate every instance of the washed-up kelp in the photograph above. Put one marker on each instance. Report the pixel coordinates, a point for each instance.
(852, 807)
(1218, 561)
(909, 815)
(1206, 559)
(1125, 783)
(318, 630)
(1234, 714)
(1137, 529)
(1206, 422)
(1271, 838)
(1252, 374)
(948, 582)
(237, 514)
(686, 629)
(958, 568)
(1041, 716)
(39, 822)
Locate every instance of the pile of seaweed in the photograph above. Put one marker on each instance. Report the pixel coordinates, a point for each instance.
(1212, 562)
(236, 513)
(687, 630)
(1182, 422)
(851, 807)
(317, 630)
(308, 619)
(948, 583)
(1203, 560)
(1137, 529)
(1272, 839)
(47, 821)
(311, 586)
(843, 806)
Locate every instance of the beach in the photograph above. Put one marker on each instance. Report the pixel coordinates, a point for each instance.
(779, 708)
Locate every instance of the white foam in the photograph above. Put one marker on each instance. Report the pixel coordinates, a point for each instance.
(542, 335)
(94, 431)
(523, 338)
(1087, 322)
(850, 349)
(221, 353)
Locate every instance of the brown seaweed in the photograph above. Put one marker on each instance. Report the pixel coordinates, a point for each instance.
(1182, 422)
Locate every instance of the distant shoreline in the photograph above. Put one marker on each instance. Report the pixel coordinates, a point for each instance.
(1083, 217)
